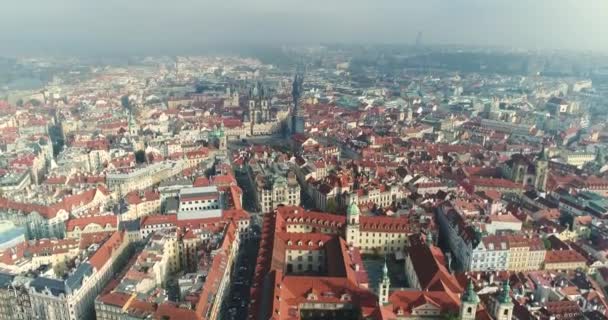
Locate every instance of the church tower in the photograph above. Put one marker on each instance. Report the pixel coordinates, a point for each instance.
(221, 138)
(401, 115)
(352, 224)
(265, 110)
(219, 135)
(542, 171)
(251, 111)
(132, 125)
(384, 286)
(504, 305)
(297, 119)
(468, 303)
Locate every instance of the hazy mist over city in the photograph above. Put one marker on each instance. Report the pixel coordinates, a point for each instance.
(80, 27)
(304, 160)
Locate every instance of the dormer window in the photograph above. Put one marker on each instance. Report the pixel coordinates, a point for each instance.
(345, 297)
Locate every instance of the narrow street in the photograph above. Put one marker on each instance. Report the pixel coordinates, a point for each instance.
(237, 302)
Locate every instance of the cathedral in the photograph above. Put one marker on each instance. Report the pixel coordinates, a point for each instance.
(258, 105)
(528, 171)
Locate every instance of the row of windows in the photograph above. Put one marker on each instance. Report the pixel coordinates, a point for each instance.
(380, 241)
(391, 248)
(199, 201)
(301, 258)
(200, 208)
(300, 267)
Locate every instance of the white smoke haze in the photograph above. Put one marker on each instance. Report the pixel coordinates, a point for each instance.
(139, 26)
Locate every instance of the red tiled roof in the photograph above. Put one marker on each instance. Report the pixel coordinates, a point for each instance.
(384, 224)
(405, 301)
(159, 219)
(201, 182)
(104, 253)
(429, 265)
(85, 221)
(563, 256)
(117, 299)
(170, 311)
(134, 197)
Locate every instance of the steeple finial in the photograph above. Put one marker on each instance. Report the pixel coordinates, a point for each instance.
(505, 296)
(385, 270)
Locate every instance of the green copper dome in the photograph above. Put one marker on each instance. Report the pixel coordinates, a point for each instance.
(353, 209)
(470, 296)
(504, 296)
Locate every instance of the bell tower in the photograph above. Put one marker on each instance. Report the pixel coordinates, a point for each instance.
(468, 303)
(352, 224)
(384, 286)
(504, 305)
(542, 170)
(221, 138)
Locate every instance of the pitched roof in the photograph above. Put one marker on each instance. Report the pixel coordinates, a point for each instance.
(563, 256)
(429, 266)
(104, 253)
(85, 221)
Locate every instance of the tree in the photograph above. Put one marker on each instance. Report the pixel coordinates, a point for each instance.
(60, 268)
(35, 102)
(566, 219)
(140, 156)
(450, 316)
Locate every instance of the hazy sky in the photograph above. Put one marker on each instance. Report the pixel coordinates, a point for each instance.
(128, 26)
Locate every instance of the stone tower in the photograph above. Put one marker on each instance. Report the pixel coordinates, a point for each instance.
(221, 138)
(384, 286)
(542, 171)
(468, 303)
(297, 119)
(133, 130)
(504, 305)
(352, 224)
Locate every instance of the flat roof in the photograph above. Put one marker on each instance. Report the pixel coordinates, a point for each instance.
(198, 190)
